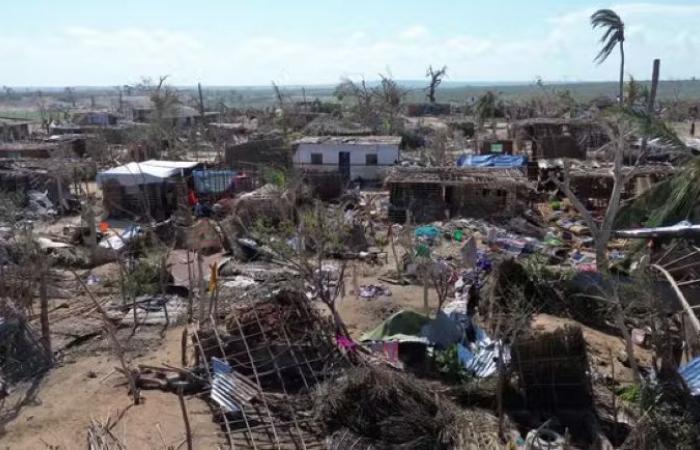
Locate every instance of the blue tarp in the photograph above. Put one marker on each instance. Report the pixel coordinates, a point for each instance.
(691, 375)
(427, 231)
(212, 181)
(491, 161)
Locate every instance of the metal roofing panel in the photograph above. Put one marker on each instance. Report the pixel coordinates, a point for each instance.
(691, 375)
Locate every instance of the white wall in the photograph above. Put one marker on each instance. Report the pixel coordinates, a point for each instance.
(387, 156)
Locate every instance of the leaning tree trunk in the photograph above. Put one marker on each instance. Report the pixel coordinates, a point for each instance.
(651, 101)
(622, 73)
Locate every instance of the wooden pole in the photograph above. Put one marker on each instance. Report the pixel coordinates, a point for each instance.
(426, 307)
(190, 293)
(185, 417)
(89, 218)
(202, 290)
(43, 298)
(183, 347)
(652, 99)
(201, 101)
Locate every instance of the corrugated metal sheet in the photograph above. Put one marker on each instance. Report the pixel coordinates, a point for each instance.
(482, 359)
(683, 228)
(691, 375)
(223, 385)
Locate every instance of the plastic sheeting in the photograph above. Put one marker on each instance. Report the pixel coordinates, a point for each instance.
(137, 173)
(119, 241)
(492, 161)
(212, 181)
(680, 229)
(691, 376)
(223, 385)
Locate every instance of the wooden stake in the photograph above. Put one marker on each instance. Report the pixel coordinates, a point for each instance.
(426, 307)
(44, 311)
(185, 418)
(190, 294)
(183, 347)
(202, 290)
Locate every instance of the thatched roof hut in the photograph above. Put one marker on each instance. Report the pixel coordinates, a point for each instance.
(437, 193)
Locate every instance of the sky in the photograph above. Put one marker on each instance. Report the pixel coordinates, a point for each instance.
(306, 42)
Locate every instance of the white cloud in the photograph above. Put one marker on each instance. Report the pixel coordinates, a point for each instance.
(415, 32)
(562, 50)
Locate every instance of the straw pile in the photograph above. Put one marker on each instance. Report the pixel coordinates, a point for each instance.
(378, 408)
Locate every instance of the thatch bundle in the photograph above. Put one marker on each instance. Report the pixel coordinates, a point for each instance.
(553, 368)
(379, 408)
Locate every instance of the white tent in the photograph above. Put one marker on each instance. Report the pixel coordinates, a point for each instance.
(151, 171)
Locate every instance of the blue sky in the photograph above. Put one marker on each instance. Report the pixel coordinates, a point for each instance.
(233, 42)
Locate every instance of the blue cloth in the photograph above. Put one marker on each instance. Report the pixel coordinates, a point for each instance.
(491, 161)
(427, 231)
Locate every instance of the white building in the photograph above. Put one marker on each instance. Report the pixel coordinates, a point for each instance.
(362, 157)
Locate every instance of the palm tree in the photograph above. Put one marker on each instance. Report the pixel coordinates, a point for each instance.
(614, 35)
(674, 198)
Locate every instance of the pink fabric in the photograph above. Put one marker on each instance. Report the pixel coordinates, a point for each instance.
(345, 342)
(391, 351)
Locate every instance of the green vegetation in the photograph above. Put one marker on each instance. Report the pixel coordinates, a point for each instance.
(448, 364)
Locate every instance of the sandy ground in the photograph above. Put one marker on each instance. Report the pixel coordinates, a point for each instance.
(85, 386)
(68, 397)
(603, 349)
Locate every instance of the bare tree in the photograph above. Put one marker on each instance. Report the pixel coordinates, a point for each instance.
(165, 100)
(435, 77)
(376, 107)
(618, 131)
(282, 114)
(390, 96)
(363, 98)
(305, 246)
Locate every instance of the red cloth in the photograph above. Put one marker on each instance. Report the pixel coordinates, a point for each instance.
(191, 198)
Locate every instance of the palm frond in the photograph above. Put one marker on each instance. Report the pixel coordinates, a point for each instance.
(667, 202)
(651, 127)
(613, 35)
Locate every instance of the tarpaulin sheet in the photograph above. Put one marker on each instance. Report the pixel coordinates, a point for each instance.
(212, 181)
(491, 161)
(403, 326)
(691, 375)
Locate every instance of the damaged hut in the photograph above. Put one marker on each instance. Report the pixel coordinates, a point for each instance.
(272, 152)
(429, 194)
(45, 177)
(146, 189)
(261, 368)
(14, 129)
(594, 181)
(543, 138)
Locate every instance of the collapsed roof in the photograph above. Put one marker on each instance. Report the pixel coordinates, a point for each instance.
(350, 140)
(483, 176)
